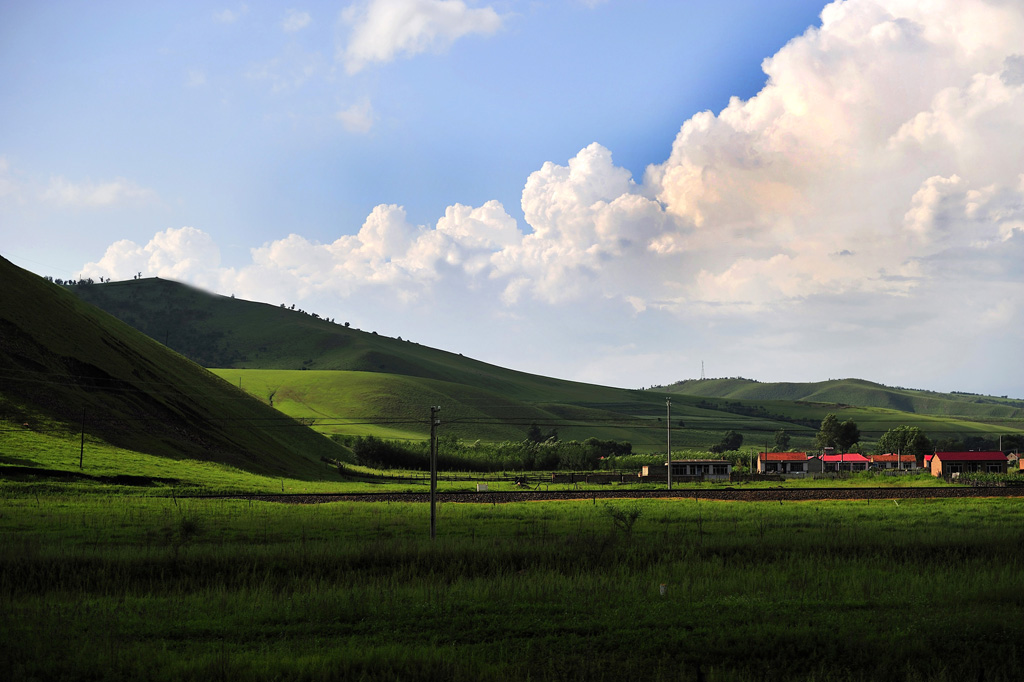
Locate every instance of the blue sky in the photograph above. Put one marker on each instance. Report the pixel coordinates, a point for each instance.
(605, 191)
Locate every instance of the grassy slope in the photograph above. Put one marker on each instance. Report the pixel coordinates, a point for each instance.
(385, 386)
(219, 331)
(377, 378)
(61, 358)
(397, 406)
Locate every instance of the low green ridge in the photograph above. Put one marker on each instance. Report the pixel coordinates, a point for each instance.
(859, 393)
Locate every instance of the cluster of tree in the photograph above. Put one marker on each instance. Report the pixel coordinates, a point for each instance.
(732, 440)
(839, 436)
(73, 283)
(911, 440)
(315, 316)
(1008, 443)
(456, 455)
(905, 440)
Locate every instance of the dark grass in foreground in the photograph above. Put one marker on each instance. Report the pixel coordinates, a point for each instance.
(104, 587)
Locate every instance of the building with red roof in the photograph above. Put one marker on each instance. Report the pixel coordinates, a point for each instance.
(892, 460)
(782, 463)
(947, 464)
(850, 461)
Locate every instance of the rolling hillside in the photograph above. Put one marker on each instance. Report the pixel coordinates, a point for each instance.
(68, 367)
(349, 381)
(220, 331)
(859, 393)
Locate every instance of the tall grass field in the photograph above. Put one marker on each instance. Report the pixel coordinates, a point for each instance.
(117, 587)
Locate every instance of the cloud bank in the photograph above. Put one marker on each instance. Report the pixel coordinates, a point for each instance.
(873, 186)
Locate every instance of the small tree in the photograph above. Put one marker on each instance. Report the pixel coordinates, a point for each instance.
(624, 518)
(782, 440)
(849, 434)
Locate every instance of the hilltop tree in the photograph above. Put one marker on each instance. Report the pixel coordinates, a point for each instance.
(833, 434)
(905, 440)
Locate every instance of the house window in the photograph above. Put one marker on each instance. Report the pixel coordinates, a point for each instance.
(995, 468)
(796, 466)
(721, 469)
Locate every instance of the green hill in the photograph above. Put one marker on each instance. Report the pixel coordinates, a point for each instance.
(356, 382)
(349, 381)
(221, 331)
(859, 393)
(70, 368)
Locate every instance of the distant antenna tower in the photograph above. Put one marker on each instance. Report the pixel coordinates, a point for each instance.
(702, 370)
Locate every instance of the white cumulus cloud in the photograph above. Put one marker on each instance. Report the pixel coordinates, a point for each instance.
(384, 29)
(871, 193)
(184, 254)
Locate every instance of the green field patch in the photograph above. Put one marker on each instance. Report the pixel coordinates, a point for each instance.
(148, 588)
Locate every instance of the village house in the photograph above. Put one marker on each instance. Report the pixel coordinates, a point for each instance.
(947, 464)
(850, 461)
(892, 460)
(689, 470)
(785, 463)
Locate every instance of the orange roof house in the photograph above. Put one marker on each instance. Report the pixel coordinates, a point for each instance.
(892, 460)
(847, 461)
(947, 464)
(782, 462)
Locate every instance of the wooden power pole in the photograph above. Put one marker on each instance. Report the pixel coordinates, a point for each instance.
(668, 438)
(434, 422)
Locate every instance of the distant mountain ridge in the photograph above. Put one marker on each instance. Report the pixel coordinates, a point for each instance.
(856, 392)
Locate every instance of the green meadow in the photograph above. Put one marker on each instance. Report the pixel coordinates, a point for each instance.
(117, 587)
(397, 406)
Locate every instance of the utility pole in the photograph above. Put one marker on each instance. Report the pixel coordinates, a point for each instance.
(668, 437)
(81, 451)
(434, 422)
